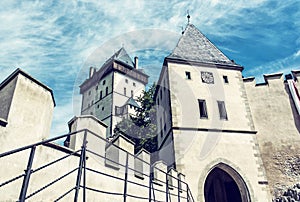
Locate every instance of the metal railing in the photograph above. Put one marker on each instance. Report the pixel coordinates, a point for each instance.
(175, 188)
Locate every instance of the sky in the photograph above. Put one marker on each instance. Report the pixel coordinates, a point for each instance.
(57, 41)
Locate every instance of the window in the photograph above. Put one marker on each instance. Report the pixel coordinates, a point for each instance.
(100, 95)
(202, 109)
(124, 91)
(96, 87)
(225, 79)
(89, 92)
(131, 93)
(98, 106)
(103, 82)
(161, 130)
(119, 110)
(222, 110)
(133, 84)
(106, 91)
(126, 80)
(92, 102)
(102, 108)
(161, 95)
(188, 75)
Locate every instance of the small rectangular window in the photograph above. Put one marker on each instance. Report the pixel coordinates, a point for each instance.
(222, 110)
(131, 93)
(106, 91)
(96, 87)
(225, 79)
(124, 91)
(100, 95)
(133, 84)
(126, 80)
(103, 82)
(188, 75)
(161, 130)
(202, 109)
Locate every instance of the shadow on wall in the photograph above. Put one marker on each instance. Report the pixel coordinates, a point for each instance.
(296, 116)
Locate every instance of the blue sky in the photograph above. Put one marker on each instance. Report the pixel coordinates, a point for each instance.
(56, 41)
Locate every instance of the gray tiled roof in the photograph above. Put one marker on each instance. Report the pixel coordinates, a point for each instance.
(132, 102)
(122, 56)
(194, 46)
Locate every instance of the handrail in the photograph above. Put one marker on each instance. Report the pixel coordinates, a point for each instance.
(39, 143)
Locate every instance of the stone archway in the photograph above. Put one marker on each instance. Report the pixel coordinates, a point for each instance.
(224, 184)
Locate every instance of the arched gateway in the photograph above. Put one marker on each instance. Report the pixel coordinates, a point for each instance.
(224, 184)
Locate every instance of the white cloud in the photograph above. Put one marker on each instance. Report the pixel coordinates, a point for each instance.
(284, 65)
(56, 41)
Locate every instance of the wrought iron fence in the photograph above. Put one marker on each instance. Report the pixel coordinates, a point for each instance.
(174, 187)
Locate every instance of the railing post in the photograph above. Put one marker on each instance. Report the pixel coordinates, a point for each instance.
(150, 182)
(84, 173)
(178, 186)
(167, 187)
(126, 177)
(27, 175)
(81, 162)
(187, 193)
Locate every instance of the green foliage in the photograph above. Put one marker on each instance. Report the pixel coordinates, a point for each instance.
(141, 127)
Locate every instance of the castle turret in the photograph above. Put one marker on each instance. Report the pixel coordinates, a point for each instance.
(107, 90)
(205, 127)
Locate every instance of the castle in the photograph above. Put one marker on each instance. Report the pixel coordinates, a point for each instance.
(220, 136)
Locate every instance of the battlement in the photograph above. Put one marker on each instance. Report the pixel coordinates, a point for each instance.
(270, 79)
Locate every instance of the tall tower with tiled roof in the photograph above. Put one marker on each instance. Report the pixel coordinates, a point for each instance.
(109, 92)
(205, 128)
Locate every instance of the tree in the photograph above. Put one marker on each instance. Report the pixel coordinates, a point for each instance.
(141, 127)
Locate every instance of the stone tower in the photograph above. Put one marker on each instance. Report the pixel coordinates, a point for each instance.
(205, 128)
(109, 93)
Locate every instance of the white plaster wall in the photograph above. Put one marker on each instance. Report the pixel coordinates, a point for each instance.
(119, 99)
(196, 157)
(30, 115)
(185, 95)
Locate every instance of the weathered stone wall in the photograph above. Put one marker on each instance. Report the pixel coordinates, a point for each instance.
(290, 194)
(277, 122)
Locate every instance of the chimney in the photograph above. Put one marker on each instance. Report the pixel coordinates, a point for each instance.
(136, 62)
(92, 71)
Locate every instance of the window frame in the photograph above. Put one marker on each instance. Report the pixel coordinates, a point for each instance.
(202, 109)
(225, 79)
(188, 75)
(222, 110)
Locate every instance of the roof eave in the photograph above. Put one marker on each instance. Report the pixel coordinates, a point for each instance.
(206, 64)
